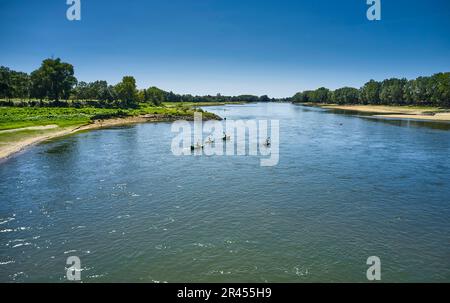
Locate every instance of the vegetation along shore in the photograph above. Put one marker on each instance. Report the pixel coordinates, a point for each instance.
(51, 102)
(423, 98)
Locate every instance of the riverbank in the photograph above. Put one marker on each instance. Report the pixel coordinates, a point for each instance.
(394, 112)
(13, 141)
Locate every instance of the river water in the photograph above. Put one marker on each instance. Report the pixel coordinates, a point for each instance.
(346, 187)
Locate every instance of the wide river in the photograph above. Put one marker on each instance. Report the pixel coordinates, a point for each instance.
(346, 188)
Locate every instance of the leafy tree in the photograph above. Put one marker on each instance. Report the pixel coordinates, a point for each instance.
(346, 95)
(54, 80)
(247, 98)
(370, 92)
(127, 92)
(99, 90)
(39, 84)
(440, 84)
(20, 85)
(171, 97)
(81, 91)
(187, 98)
(408, 91)
(301, 97)
(5, 82)
(264, 98)
(142, 94)
(392, 91)
(320, 95)
(112, 93)
(155, 95)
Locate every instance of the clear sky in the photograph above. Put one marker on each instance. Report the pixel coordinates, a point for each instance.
(231, 47)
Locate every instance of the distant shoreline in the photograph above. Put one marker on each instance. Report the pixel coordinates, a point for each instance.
(396, 112)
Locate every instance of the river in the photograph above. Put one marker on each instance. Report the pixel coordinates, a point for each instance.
(346, 188)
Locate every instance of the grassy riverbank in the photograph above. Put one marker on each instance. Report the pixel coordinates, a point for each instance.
(23, 126)
(20, 117)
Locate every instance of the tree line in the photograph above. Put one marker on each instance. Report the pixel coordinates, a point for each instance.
(432, 91)
(55, 84)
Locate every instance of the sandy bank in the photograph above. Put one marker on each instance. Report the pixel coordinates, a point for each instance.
(52, 126)
(397, 112)
(377, 109)
(442, 117)
(6, 150)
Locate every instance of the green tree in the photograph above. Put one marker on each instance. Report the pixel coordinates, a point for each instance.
(156, 95)
(54, 80)
(370, 92)
(320, 95)
(392, 91)
(81, 91)
(264, 98)
(21, 85)
(39, 85)
(440, 85)
(305, 96)
(418, 91)
(5, 82)
(346, 95)
(127, 92)
(171, 97)
(99, 90)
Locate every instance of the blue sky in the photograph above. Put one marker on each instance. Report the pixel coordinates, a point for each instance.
(231, 47)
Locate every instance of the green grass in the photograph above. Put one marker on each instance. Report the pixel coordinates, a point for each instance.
(19, 117)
